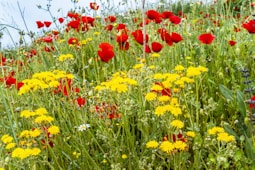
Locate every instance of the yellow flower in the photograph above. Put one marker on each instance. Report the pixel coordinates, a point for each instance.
(21, 153)
(156, 87)
(65, 56)
(124, 156)
(53, 130)
(176, 111)
(43, 118)
(150, 96)
(155, 55)
(41, 111)
(160, 110)
(10, 145)
(193, 71)
(25, 133)
(167, 147)
(164, 98)
(179, 68)
(158, 76)
(27, 114)
(35, 133)
(174, 101)
(6, 139)
(191, 134)
(225, 137)
(138, 66)
(152, 67)
(97, 33)
(35, 151)
(215, 130)
(152, 144)
(177, 123)
(77, 155)
(180, 145)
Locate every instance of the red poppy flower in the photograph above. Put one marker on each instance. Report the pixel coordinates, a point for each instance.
(121, 27)
(165, 36)
(175, 37)
(138, 35)
(60, 20)
(39, 24)
(113, 115)
(2, 61)
(88, 20)
(146, 22)
(73, 41)
(153, 15)
(206, 38)
(110, 19)
(10, 81)
(166, 14)
(74, 24)
(252, 100)
(73, 15)
(250, 26)
(108, 27)
(81, 101)
(122, 38)
(47, 23)
(147, 49)
(156, 47)
(106, 53)
(175, 19)
(49, 49)
(231, 42)
(19, 85)
(48, 39)
(93, 5)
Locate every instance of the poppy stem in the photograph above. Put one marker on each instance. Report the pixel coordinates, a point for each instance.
(144, 30)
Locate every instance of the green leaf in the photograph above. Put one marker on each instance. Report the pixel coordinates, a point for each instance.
(249, 149)
(230, 131)
(240, 103)
(227, 93)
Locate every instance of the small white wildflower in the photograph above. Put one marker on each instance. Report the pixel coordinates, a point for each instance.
(83, 127)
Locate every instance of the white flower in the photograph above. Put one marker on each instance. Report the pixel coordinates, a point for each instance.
(83, 127)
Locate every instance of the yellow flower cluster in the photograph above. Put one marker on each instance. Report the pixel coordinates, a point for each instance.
(215, 130)
(225, 137)
(24, 153)
(30, 133)
(43, 80)
(53, 130)
(38, 112)
(177, 124)
(221, 134)
(195, 71)
(6, 139)
(84, 42)
(63, 57)
(191, 134)
(152, 144)
(119, 83)
(168, 147)
(174, 81)
(28, 137)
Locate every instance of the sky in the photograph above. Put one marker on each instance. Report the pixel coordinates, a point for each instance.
(11, 12)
